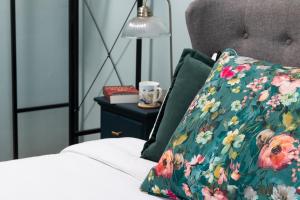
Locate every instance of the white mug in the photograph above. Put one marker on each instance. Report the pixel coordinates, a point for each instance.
(149, 93)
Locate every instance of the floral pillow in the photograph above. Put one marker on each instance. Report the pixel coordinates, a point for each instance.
(239, 139)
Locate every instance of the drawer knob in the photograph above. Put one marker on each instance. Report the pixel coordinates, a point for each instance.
(116, 133)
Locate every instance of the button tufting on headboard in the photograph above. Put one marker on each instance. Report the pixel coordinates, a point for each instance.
(289, 41)
(272, 33)
(246, 35)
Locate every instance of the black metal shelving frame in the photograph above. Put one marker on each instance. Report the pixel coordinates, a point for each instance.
(73, 104)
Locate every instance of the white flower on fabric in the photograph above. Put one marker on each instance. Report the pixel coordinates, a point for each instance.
(288, 99)
(209, 174)
(202, 100)
(236, 105)
(233, 139)
(225, 58)
(215, 106)
(210, 106)
(250, 194)
(232, 189)
(204, 137)
(284, 192)
(241, 75)
(263, 67)
(244, 60)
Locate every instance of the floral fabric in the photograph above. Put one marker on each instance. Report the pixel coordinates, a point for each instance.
(239, 139)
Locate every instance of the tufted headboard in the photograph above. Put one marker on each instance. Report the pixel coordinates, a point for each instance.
(263, 29)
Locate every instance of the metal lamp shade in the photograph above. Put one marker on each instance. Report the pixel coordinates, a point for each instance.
(145, 27)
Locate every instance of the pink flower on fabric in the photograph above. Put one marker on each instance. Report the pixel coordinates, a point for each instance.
(274, 101)
(164, 167)
(286, 84)
(193, 104)
(227, 73)
(257, 84)
(196, 160)
(241, 68)
(186, 190)
(263, 80)
(278, 153)
(254, 86)
(223, 177)
(279, 79)
(188, 169)
(287, 87)
(216, 194)
(171, 195)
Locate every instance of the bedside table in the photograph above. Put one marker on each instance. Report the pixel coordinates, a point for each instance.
(125, 120)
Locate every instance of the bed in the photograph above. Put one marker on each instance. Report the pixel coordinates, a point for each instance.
(103, 169)
(112, 168)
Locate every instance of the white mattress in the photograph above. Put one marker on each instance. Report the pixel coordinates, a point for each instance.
(104, 169)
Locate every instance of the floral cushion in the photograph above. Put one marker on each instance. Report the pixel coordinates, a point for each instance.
(239, 139)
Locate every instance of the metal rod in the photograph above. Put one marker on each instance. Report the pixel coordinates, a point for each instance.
(171, 39)
(107, 57)
(44, 107)
(138, 68)
(88, 132)
(103, 41)
(73, 69)
(120, 31)
(138, 64)
(14, 79)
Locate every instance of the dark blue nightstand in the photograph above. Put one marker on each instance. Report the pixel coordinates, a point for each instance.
(125, 120)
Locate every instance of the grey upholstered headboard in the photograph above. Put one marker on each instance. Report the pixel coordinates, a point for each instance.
(263, 29)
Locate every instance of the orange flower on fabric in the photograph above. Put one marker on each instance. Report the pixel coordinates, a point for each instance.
(263, 95)
(164, 167)
(235, 175)
(278, 153)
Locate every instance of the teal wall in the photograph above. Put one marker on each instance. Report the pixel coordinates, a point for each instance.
(155, 53)
(5, 94)
(110, 18)
(181, 39)
(42, 56)
(42, 27)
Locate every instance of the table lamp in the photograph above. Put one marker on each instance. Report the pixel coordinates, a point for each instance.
(145, 25)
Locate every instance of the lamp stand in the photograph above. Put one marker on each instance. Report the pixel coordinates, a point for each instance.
(138, 64)
(141, 3)
(171, 39)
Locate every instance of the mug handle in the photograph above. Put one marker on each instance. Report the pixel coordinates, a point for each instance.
(159, 94)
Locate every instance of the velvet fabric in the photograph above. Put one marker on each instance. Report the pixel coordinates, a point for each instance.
(266, 30)
(191, 72)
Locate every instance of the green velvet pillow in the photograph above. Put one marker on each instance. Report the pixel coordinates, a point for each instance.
(239, 139)
(191, 72)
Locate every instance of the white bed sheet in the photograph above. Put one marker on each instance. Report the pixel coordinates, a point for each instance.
(104, 169)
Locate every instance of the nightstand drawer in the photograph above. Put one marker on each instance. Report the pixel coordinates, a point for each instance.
(125, 120)
(114, 125)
